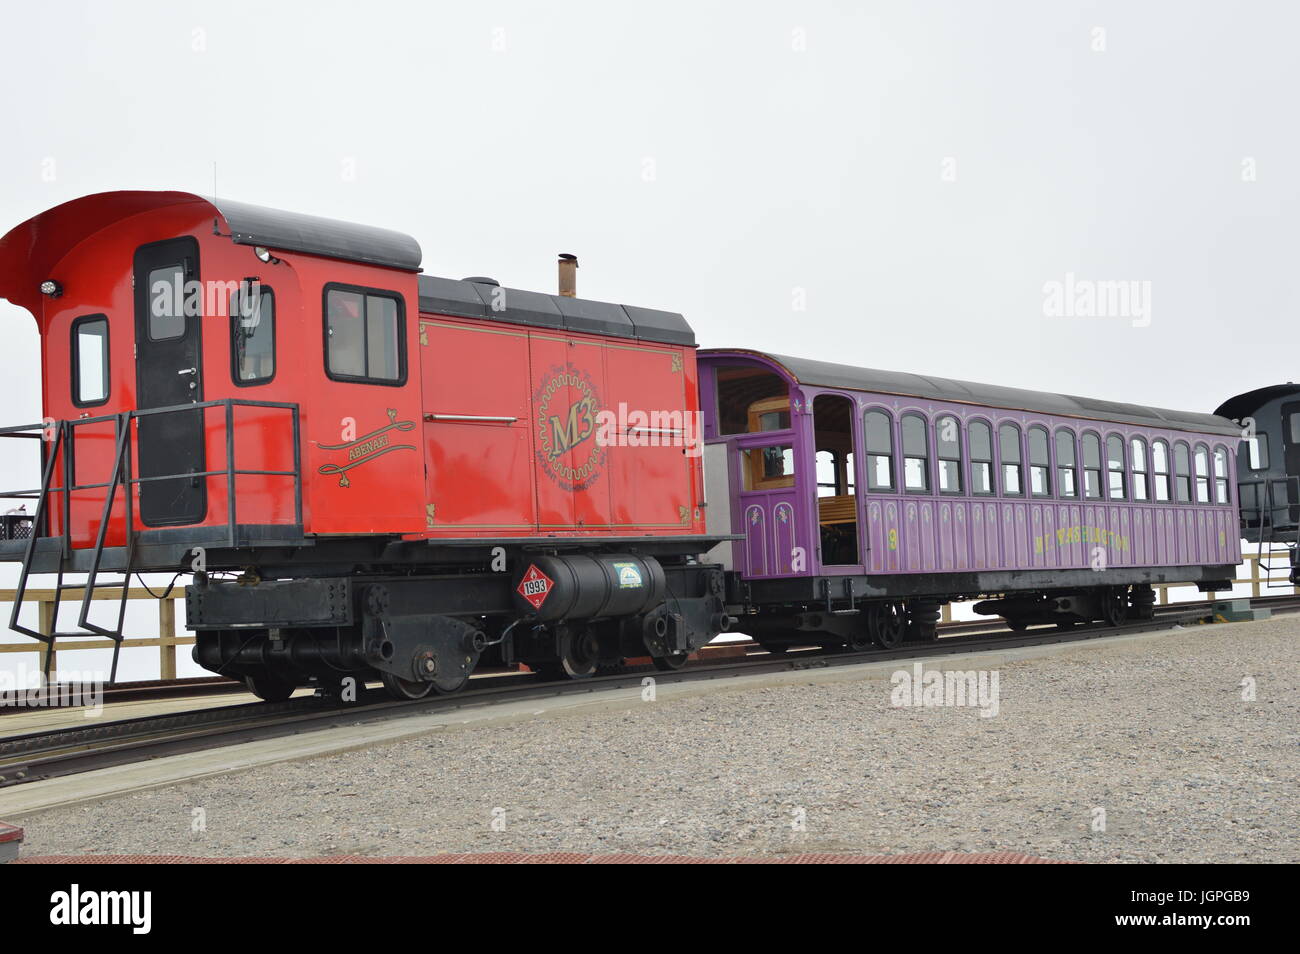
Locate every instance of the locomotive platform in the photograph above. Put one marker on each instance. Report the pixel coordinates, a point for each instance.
(1148, 736)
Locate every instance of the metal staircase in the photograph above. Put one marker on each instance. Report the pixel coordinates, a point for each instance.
(1270, 511)
(58, 439)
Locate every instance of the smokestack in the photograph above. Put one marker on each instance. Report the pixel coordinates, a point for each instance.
(568, 275)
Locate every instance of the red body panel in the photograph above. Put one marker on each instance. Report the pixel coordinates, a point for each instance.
(532, 457)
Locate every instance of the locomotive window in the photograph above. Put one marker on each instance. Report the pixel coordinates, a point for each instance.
(252, 336)
(1009, 446)
(1182, 478)
(880, 451)
(980, 436)
(1257, 448)
(916, 454)
(1202, 459)
(1040, 464)
(947, 443)
(1115, 467)
(1160, 470)
(1091, 466)
(364, 335)
(1221, 475)
(1294, 419)
(166, 302)
(1065, 464)
(1138, 451)
(90, 360)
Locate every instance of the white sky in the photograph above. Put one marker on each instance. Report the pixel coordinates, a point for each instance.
(501, 133)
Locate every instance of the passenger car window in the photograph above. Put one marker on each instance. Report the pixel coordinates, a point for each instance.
(947, 443)
(1138, 452)
(1160, 470)
(769, 468)
(1091, 466)
(1009, 446)
(1066, 472)
(1040, 465)
(916, 454)
(1221, 491)
(1182, 478)
(1115, 467)
(1202, 460)
(879, 428)
(980, 436)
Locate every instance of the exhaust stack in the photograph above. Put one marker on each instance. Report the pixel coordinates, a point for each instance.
(568, 275)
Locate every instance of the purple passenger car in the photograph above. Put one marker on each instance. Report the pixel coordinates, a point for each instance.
(867, 499)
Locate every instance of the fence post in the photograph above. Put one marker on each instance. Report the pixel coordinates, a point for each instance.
(1254, 574)
(166, 638)
(945, 614)
(45, 623)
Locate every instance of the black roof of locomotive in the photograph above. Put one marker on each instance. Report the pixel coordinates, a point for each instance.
(841, 376)
(477, 298)
(1244, 404)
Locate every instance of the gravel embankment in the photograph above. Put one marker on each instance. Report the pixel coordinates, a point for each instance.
(1156, 734)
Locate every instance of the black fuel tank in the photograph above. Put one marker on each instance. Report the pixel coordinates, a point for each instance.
(589, 586)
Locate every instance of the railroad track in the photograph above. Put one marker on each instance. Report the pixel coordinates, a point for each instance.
(201, 686)
(68, 751)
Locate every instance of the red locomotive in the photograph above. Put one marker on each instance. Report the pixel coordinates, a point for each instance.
(369, 469)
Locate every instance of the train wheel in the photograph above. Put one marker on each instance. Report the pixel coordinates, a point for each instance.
(579, 654)
(670, 663)
(1114, 605)
(405, 688)
(268, 688)
(888, 622)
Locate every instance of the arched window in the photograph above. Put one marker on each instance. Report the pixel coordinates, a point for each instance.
(1115, 467)
(1202, 461)
(1138, 452)
(1040, 463)
(1160, 470)
(1221, 493)
(916, 454)
(879, 428)
(1009, 446)
(980, 436)
(1091, 465)
(1066, 483)
(947, 448)
(1182, 473)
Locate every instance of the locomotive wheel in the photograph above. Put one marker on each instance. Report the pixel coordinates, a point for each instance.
(405, 688)
(1114, 605)
(268, 688)
(670, 663)
(888, 622)
(579, 656)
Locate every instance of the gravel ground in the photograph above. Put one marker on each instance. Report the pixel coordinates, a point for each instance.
(1156, 734)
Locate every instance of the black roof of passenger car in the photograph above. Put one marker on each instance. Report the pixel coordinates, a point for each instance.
(488, 300)
(841, 376)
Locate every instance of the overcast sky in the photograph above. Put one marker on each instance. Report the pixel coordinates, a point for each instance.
(884, 184)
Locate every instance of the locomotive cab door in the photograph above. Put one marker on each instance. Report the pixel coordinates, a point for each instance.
(1290, 461)
(169, 372)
